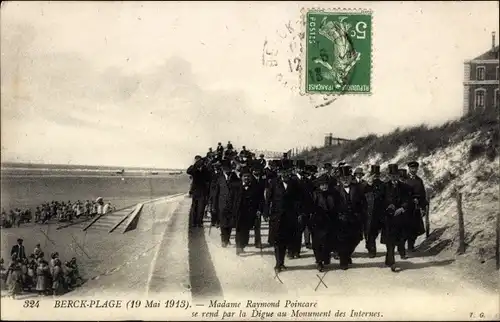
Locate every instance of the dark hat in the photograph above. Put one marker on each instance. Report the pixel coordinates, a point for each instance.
(225, 163)
(413, 164)
(257, 165)
(261, 155)
(19, 240)
(275, 163)
(300, 164)
(245, 170)
(323, 179)
(374, 169)
(286, 164)
(311, 168)
(402, 172)
(393, 169)
(345, 171)
(341, 164)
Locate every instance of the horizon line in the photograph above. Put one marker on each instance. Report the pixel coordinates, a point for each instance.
(87, 165)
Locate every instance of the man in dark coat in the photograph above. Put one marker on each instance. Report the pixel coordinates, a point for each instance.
(376, 210)
(284, 196)
(216, 173)
(329, 173)
(417, 205)
(396, 205)
(310, 177)
(322, 221)
(363, 186)
(351, 205)
(259, 181)
(199, 189)
(222, 204)
(219, 151)
(262, 161)
(305, 205)
(247, 206)
(270, 173)
(18, 250)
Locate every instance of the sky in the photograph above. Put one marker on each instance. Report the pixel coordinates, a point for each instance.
(154, 83)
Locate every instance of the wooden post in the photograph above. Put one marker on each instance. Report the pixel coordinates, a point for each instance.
(461, 228)
(497, 250)
(427, 221)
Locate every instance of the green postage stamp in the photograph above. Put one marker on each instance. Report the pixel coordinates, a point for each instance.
(337, 52)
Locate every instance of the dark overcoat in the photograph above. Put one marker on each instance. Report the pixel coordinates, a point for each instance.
(375, 193)
(415, 225)
(222, 203)
(394, 228)
(350, 210)
(284, 210)
(247, 201)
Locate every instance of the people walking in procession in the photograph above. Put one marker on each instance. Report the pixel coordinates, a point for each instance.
(332, 212)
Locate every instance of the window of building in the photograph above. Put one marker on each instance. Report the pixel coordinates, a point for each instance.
(480, 73)
(479, 97)
(497, 96)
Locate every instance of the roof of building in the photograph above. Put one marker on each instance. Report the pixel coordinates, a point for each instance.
(490, 54)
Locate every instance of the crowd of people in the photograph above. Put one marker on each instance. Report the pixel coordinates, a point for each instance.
(56, 210)
(34, 273)
(332, 208)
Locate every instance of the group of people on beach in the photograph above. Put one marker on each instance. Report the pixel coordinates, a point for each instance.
(56, 210)
(35, 273)
(332, 208)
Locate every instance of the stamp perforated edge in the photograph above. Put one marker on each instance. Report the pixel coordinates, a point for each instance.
(303, 53)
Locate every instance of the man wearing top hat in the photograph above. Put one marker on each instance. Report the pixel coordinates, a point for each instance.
(259, 181)
(351, 204)
(284, 197)
(397, 198)
(363, 185)
(376, 210)
(222, 204)
(323, 220)
(305, 204)
(247, 206)
(403, 175)
(310, 177)
(417, 206)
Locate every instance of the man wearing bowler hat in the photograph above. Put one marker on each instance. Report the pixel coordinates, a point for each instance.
(351, 205)
(375, 196)
(284, 198)
(418, 205)
(396, 207)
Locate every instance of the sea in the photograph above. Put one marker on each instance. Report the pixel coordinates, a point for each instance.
(27, 185)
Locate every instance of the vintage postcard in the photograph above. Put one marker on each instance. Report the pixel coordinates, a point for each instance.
(249, 161)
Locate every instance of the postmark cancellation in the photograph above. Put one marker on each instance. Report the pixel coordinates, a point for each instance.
(336, 51)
